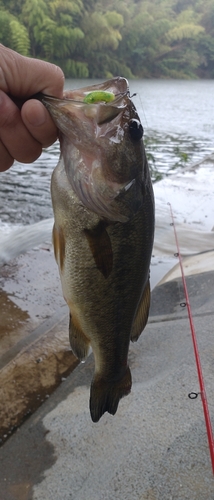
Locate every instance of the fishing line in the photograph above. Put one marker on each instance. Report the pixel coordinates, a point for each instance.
(137, 94)
(193, 395)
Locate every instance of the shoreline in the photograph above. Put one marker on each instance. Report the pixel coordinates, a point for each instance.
(34, 338)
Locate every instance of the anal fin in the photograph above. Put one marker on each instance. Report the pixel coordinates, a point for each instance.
(79, 342)
(142, 314)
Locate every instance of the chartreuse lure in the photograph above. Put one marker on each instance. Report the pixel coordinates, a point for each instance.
(98, 96)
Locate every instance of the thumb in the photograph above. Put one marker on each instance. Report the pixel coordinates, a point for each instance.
(22, 76)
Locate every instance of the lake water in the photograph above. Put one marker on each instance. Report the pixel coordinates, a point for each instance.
(178, 121)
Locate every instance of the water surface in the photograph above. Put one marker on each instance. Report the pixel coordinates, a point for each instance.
(178, 123)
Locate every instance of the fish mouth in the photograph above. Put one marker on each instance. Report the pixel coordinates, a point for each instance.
(89, 120)
(75, 105)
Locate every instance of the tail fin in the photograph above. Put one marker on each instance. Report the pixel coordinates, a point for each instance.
(105, 395)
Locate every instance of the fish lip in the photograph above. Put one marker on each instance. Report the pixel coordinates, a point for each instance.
(99, 120)
(118, 86)
(72, 102)
(100, 111)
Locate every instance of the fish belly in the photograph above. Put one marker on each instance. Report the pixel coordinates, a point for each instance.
(102, 297)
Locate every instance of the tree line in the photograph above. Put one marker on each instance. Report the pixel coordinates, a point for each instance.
(105, 38)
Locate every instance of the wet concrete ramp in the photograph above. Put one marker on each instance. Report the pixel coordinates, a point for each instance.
(154, 448)
(35, 354)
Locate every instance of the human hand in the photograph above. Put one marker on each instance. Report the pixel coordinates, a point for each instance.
(24, 132)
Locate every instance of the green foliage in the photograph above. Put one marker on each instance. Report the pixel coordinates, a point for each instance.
(19, 37)
(114, 19)
(105, 38)
(75, 69)
(99, 32)
(12, 6)
(13, 34)
(5, 31)
(185, 27)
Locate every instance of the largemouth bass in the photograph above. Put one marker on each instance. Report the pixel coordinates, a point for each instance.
(103, 231)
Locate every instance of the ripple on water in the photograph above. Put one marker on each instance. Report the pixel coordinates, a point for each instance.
(178, 133)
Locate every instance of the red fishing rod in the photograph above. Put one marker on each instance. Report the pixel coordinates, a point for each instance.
(196, 351)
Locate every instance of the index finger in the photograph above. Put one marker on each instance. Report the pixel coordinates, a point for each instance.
(22, 76)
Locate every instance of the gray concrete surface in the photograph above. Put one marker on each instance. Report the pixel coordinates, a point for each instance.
(34, 345)
(155, 447)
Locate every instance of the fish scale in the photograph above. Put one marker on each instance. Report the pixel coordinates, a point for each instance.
(103, 231)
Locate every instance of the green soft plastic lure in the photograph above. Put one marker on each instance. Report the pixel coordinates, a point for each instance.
(98, 96)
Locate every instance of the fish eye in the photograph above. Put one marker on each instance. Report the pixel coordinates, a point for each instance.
(135, 129)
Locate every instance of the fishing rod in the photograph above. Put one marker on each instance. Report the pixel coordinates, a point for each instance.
(194, 395)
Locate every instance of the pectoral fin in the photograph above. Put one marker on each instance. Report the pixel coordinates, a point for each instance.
(101, 249)
(142, 314)
(59, 246)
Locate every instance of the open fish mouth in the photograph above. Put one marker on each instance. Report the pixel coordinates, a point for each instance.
(118, 86)
(100, 103)
(91, 121)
